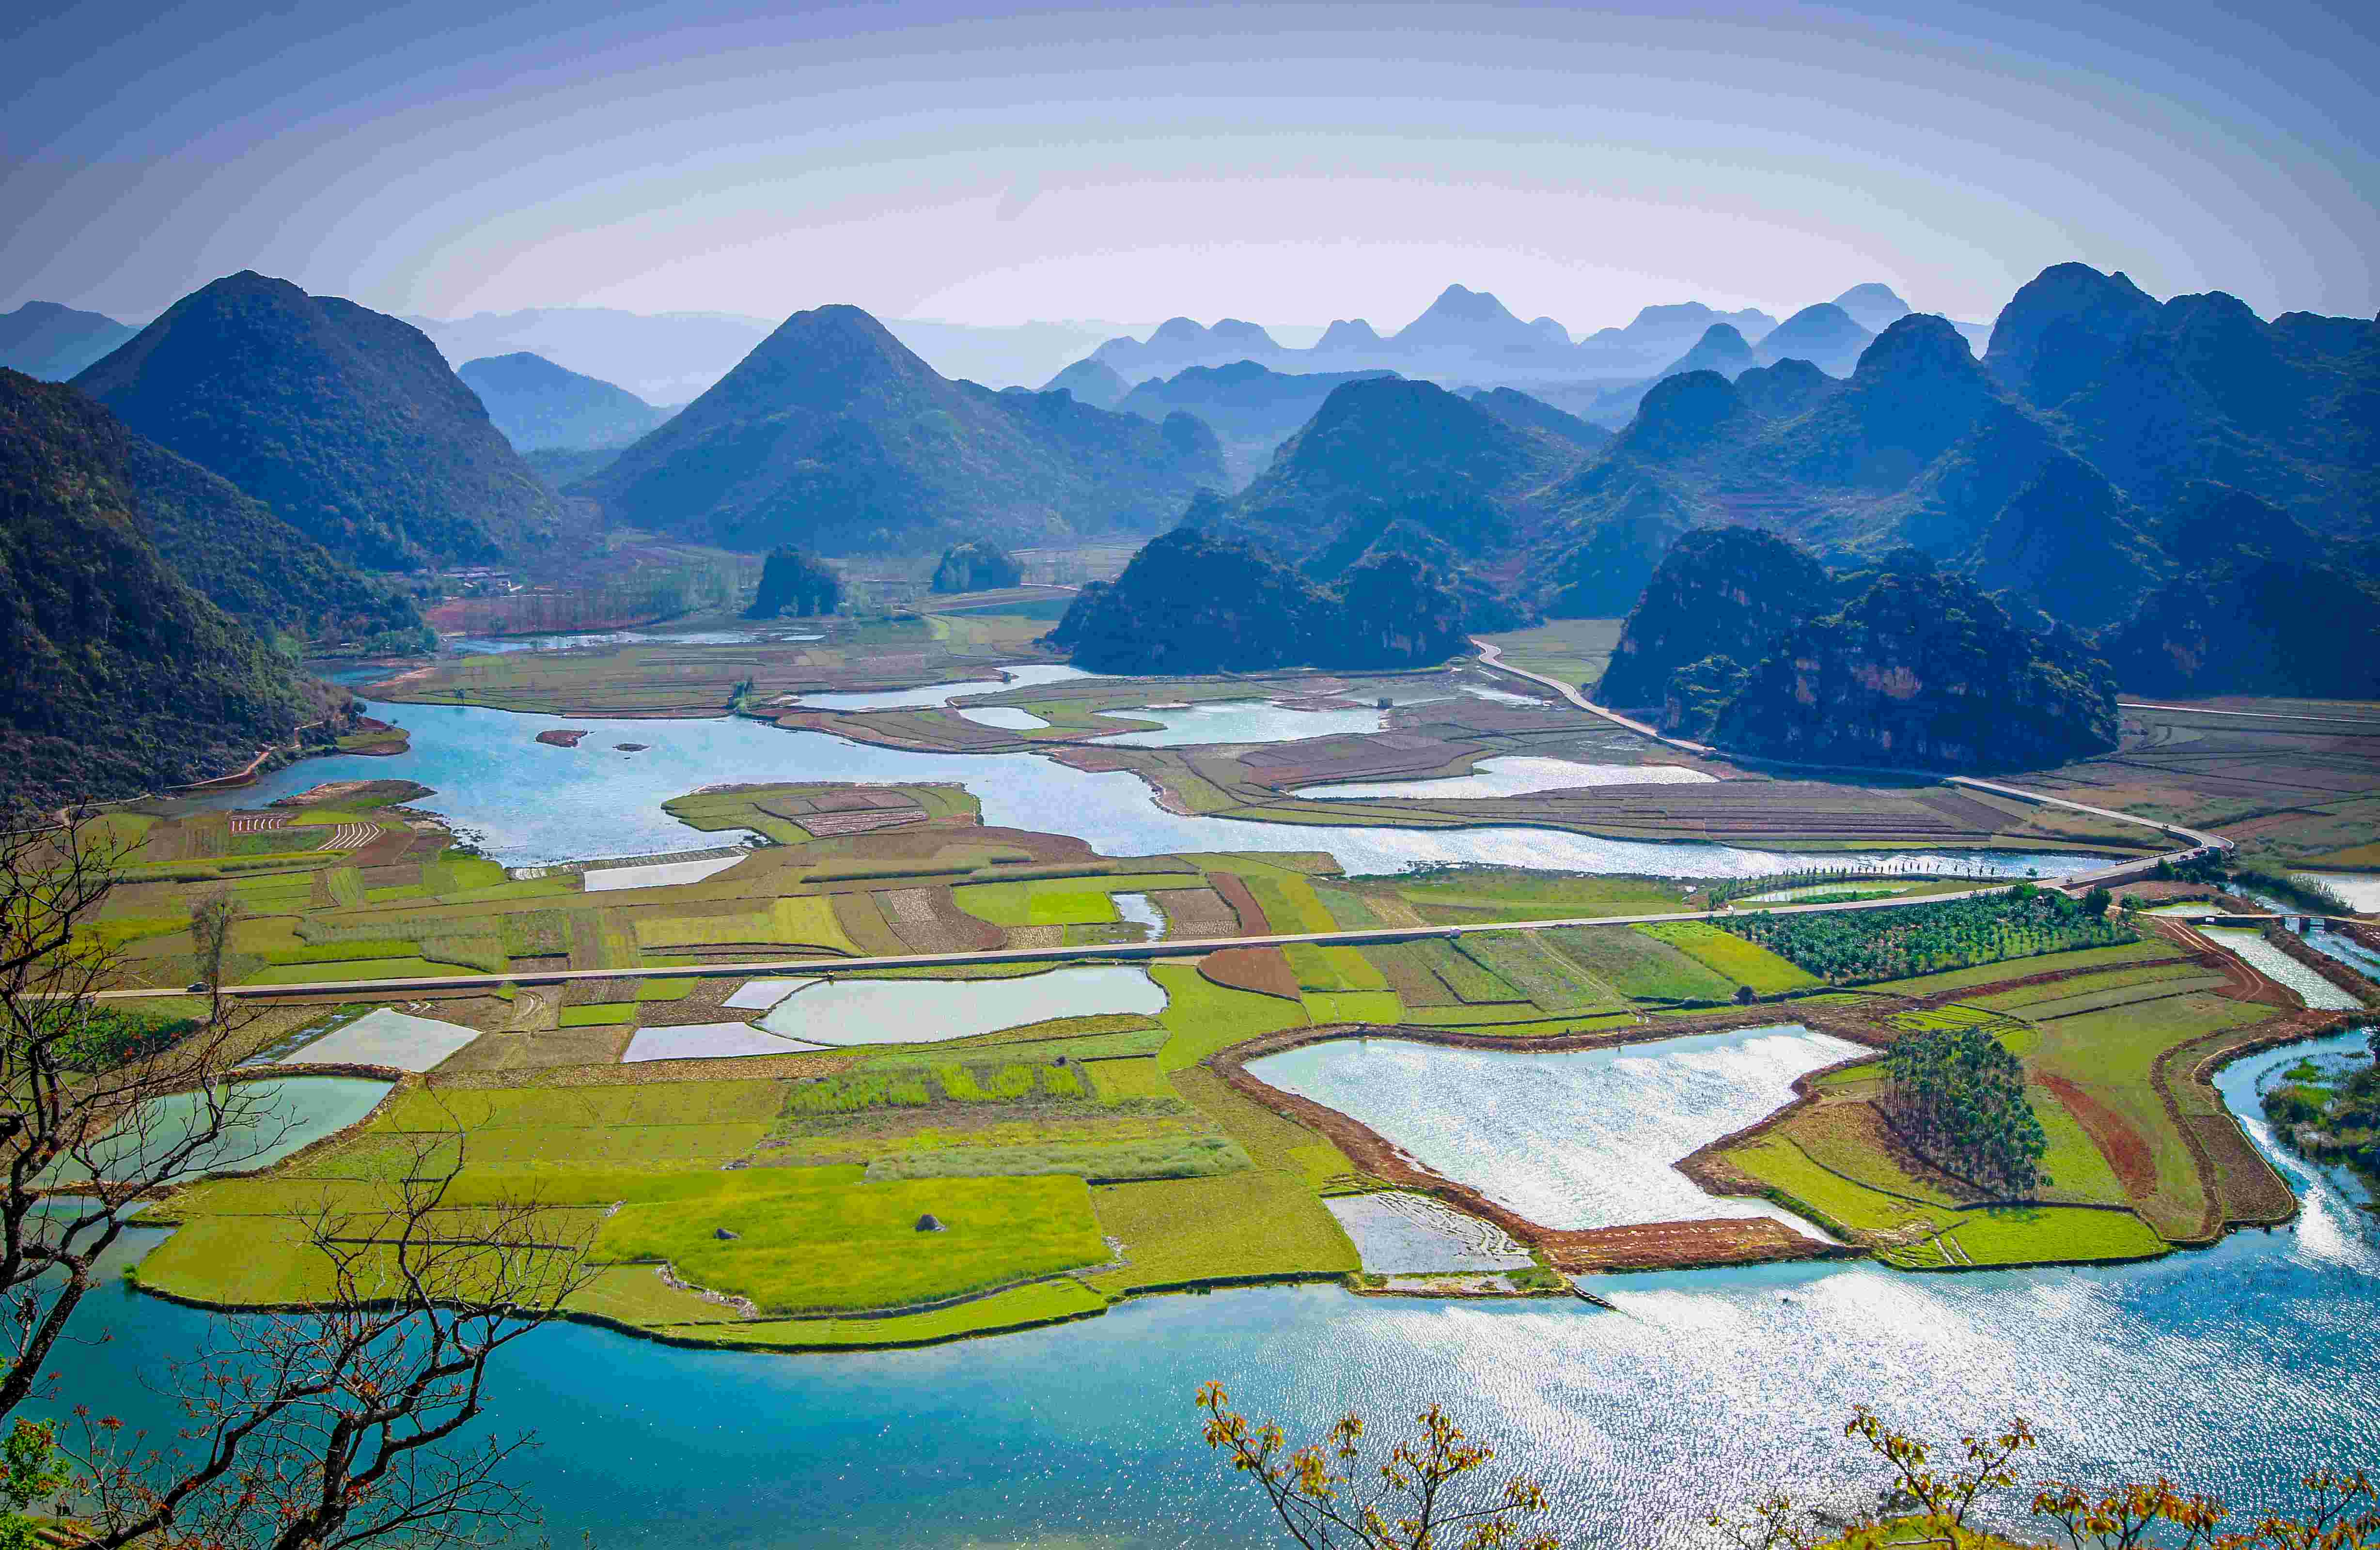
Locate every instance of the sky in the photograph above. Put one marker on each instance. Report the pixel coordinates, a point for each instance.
(1281, 163)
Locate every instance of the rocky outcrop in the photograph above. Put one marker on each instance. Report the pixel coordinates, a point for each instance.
(1719, 591)
(796, 584)
(1923, 672)
(976, 565)
(1194, 602)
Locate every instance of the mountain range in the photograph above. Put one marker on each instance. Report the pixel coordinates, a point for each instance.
(834, 435)
(346, 422)
(540, 407)
(44, 340)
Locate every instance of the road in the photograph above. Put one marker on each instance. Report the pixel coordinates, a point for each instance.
(1490, 656)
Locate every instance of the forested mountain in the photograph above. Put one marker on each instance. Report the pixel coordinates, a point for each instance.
(976, 566)
(347, 423)
(2262, 607)
(1092, 381)
(539, 406)
(1389, 451)
(1194, 602)
(1726, 592)
(1922, 670)
(121, 676)
(834, 436)
(42, 339)
(2199, 388)
(1522, 412)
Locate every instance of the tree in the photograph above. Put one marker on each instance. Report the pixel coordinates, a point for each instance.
(2095, 902)
(1416, 1498)
(1957, 1097)
(333, 1426)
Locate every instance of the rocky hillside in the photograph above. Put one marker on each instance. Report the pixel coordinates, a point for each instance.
(1194, 602)
(121, 677)
(835, 436)
(1720, 592)
(1922, 670)
(539, 406)
(347, 423)
(976, 566)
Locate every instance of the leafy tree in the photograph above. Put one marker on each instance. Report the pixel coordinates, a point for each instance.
(794, 583)
(1957, 1095)
(1327, 1495)
(2095, 902)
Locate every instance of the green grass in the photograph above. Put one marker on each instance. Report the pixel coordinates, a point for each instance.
(1354, 1006)
(1178, 1157)
(1115, 1081)
(2149, 950)
(1553, 981)
(1636, 965)
(1454, 895)
(2039, 1234)
(1204, 1017)
(1802, 1183)
(1241, 1226)
(1320, 967)
(353, 968)
(1742, 961)
(2025, 996)
(598, 1014)
(809, 1247)
(1025, 1307)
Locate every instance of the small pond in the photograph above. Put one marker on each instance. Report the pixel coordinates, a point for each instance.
(2361, 889)
(1006, 717)
(848, 1011)
(2275, 964)
(1571, 1139)
(1398, 1232)
(280, 1114)
(1518, 775)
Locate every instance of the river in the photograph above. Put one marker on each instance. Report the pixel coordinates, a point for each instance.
(2234, 1367)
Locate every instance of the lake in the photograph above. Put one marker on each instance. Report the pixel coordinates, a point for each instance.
(2235, 1367)
(1572, 1138)
(526, 802)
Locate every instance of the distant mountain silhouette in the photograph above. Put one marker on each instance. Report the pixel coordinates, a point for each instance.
(1874, 306)
(346, 422)
(1824, 335)
(1179, 344)
(1464, 323)
(1251, 409)
(832, 435)
(539, 406)
(1092, 381)
(42, 339)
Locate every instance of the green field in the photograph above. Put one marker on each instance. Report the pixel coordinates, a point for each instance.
(1730, 956)
(809, 1247)
(1637, 963)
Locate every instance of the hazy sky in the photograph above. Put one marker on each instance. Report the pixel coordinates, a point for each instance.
(1273, 162)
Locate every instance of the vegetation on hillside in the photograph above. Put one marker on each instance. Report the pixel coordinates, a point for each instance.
(1923, 671)
(121, 677)
(795, 583)
(977, 565)
(343, 421)
(1193, 602)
